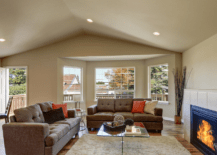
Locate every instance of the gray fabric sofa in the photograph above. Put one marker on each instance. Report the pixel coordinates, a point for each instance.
(28, 134)
(107, 109)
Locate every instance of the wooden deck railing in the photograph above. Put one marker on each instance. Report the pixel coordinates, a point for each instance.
(111, 96)
(159, 97)
(19, 101)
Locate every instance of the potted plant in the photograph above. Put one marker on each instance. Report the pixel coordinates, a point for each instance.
(180, 83)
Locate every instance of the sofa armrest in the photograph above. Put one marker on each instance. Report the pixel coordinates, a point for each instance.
(13, 118)
(92, 110)
(71, 113)
(158, 112)
(25, 138)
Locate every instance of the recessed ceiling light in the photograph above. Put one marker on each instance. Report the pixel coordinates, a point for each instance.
(156, 33)
(2, 40)
(90, 20)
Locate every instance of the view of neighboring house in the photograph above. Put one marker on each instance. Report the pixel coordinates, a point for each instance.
(103, 91)
(71, 84)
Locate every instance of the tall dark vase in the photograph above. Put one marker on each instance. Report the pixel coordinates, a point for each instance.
(177, 119)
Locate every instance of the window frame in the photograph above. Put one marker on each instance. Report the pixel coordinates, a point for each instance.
(149, 82)
(82, 96)
(117, 90)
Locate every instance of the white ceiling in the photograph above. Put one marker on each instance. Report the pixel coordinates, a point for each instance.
(29, 24)
(118, 57)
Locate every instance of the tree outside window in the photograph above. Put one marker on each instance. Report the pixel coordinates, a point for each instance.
(17, 81)
(159, 82)
(115, 82)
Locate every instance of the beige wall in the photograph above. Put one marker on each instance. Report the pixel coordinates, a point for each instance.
(43, 63)
(173, 62)
(202, 58)
(61, 62)
(139, 76)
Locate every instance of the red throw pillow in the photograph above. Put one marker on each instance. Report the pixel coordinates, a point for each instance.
(138, 106)
(63, 106)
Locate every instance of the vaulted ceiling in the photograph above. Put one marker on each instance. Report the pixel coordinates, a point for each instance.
(182, 24)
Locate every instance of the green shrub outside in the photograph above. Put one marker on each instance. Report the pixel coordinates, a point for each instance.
(17, 89)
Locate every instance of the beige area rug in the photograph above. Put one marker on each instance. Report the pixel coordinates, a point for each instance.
(156, 145)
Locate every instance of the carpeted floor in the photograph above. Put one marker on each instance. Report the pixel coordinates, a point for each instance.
(156, 145)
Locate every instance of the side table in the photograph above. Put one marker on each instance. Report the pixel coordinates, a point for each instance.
(82, 115)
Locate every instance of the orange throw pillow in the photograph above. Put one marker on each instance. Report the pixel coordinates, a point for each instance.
(138, 106)
(63, 106)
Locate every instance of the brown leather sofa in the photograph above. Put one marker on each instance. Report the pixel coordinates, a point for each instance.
(106, 109)
(28, 134)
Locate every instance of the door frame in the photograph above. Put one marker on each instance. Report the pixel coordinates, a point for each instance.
(7, 82)
(3, 90)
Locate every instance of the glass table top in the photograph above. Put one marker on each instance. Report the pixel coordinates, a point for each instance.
(140, 125)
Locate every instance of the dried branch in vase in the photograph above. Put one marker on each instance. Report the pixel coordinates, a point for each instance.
(180, 83)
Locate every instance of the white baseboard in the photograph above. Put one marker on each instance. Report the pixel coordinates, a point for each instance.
(171, 119)
(168, 119)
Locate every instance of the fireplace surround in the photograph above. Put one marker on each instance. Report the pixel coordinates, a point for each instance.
(203, 129)
(201, 100)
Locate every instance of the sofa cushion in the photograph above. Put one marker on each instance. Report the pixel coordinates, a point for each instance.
(150, 106)
(46, 106)
(105, 105)
(31, 113)
(125, 114)
(138, 106)
(147, 118)
(53, 115)
(123, 105)
(101, 116)
(56, 132)
(72, 122)
(63, 106)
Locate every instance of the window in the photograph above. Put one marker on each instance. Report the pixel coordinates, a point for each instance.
(17, 81)
(114, 83)
(159, 82)
(72, 84)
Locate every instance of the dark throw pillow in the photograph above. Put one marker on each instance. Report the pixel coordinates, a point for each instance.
(53, 115)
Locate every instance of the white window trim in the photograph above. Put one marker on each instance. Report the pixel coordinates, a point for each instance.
(95, 100)
(149, 83)
(82, 96)
(72, 102)
(163, 102)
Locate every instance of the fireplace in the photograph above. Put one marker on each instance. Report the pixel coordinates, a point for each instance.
(203, 129)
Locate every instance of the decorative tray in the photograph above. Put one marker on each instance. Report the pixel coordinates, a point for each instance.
(108, 127)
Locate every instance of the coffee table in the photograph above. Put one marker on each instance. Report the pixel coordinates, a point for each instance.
(140, 125)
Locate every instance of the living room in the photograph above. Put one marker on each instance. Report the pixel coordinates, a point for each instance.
(119, 35)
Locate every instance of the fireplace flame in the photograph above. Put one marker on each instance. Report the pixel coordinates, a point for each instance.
(205, 134)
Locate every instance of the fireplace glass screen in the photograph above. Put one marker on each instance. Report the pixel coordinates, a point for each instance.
(204, 129)
(205, 134)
